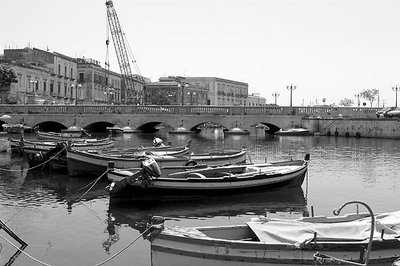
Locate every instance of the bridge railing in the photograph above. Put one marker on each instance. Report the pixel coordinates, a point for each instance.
(309, 111)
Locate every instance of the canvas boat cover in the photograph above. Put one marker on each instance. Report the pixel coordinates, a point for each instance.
(297, 232)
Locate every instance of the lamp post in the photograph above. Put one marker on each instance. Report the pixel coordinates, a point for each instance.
(291, 88)
(396, 89)
(275, 95)
(358, 96)
(182, 86)
(76, 91)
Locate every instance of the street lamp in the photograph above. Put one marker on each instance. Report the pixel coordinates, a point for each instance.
(396, 89)
(182, 86)
(76, 91)
(275, 95)
(291, 88)
(358, 96)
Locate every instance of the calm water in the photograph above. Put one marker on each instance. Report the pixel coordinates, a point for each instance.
(35, 205)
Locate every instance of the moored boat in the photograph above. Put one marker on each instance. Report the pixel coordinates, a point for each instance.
(353, 239)
(53, 158)
(63, 135)
(293, 132)
(33, 146)
(186, 183)
(80, 162)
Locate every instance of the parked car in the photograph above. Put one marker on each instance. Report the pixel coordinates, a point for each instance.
(383, 111)
(393, 113)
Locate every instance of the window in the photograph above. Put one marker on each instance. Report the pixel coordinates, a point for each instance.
(44, 86)
(81, 77)
(59, 69)
(51, 88)
(65, 70)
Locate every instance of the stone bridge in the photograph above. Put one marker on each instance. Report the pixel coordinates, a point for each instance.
(341, 121)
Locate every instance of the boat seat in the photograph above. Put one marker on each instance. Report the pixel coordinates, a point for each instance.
(196, 175)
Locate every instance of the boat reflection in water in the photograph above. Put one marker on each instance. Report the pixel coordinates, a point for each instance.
(50, 186)
(285, 200)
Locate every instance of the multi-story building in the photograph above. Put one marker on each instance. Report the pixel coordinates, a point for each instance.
(174, 91)
(255, 99)
(222, 91)
(43, 77)
(100, 86)
(52, 78)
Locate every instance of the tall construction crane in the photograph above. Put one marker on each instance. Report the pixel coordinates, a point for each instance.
(133, 83)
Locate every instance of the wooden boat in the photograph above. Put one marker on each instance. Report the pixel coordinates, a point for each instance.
(211, 180)
(16, 128)
(293, 132)
(55, 158)
(80, 162)
(63, 135)
(158, 148)
(355, 239)
(33, 147)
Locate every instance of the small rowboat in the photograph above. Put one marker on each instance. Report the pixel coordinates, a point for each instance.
(87, 162)
(33, 147)
(208, 180)
(63, 135)
(353, 239)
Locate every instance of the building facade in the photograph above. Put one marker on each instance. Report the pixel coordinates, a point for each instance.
(222, 92)
(53, 78)
(174, 91)
(43, 77)
(99, 86)
(255, 99)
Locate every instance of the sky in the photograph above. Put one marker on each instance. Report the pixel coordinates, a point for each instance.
(332, 49)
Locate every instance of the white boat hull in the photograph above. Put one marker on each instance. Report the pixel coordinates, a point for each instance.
(80, 162)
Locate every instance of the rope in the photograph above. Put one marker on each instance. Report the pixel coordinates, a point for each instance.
(98, 264)
(34, 167)
(29, 256)
(87, 191)
(15, 214)
(123, 249)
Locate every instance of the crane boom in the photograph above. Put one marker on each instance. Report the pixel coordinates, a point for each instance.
(133, 84)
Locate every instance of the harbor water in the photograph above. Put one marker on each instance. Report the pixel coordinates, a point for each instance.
(66, 222)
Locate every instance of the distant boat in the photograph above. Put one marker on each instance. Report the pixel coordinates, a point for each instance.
(293, 132)
(65, 134)
(236, 131)
(16, 128)
(114, 130)
(33, 146)
(128, 130)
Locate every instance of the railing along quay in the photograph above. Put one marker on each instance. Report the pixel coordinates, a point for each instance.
(322, 111)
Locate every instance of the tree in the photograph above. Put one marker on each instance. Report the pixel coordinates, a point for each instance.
(370, 95)
(7, 76)
(346, 102)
